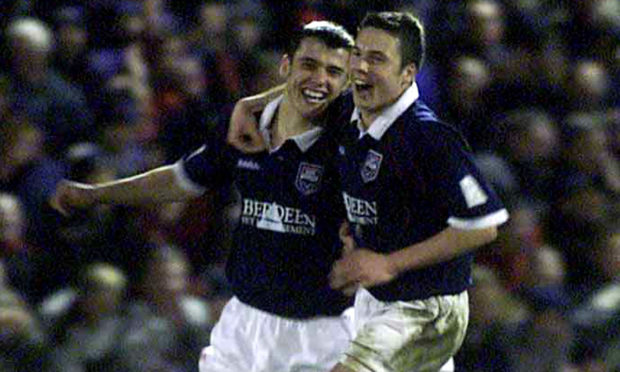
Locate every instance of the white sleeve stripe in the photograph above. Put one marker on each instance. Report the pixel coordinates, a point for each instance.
(183, 180)
(493, 219)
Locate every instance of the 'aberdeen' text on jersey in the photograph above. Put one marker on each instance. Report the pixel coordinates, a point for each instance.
(275, 217)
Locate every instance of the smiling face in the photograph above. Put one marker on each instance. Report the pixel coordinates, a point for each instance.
(315, 76)
(376, 72)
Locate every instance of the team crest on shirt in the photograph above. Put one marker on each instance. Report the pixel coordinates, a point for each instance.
(308, 178)
(372, 164)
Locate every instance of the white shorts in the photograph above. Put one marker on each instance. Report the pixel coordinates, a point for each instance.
(408, 336)
(249, 340)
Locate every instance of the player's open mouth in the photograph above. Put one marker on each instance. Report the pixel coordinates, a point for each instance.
(314, 96)
(361, 86)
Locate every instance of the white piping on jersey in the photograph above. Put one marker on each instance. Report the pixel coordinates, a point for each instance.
(493, 219)
(184, 182)
(381, 124)
(304, 140)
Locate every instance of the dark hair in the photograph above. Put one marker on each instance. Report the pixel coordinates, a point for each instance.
(331, 34)
(407, 28)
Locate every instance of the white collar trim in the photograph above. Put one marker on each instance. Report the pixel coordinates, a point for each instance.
(383, 122)
(304, 140)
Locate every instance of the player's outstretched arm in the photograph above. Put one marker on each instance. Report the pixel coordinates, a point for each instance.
(155, 186)
(243, 129)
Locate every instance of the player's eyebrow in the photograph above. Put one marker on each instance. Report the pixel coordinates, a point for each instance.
(372, 53)
(317, 62)
(308, 60)
(376, 53)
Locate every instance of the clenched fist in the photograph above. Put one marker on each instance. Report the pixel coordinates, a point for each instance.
(71, 195)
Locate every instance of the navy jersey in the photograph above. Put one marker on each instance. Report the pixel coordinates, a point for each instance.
(287, 237)
(406, 179)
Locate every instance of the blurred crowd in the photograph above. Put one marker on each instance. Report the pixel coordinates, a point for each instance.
(100, 89)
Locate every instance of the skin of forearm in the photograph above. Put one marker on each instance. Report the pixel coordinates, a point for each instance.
(155, 186)
(444, 246)
(258, 102)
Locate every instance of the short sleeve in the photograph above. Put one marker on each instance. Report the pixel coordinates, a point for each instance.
(206, 167)
(459, 188)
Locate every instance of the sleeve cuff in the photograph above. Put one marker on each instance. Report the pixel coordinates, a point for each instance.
(184, 182)
(493, 219)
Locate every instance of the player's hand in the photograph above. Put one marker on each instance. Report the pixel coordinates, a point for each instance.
(71, 195)
(346, 237)
(243, 131)
(361, 267)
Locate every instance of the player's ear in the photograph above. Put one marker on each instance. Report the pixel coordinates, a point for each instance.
(408, 74)
(285, 66)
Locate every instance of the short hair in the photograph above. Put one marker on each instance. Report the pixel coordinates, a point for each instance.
(331, 34)
(407, 28)
(34, 31)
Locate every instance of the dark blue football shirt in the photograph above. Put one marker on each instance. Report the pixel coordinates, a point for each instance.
(407, 178)
(287, 236)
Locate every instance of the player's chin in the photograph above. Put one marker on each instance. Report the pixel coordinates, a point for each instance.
(312, 112)
(361, 100)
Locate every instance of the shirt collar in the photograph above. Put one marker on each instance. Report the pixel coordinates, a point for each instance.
(304, 140)
(382, 123)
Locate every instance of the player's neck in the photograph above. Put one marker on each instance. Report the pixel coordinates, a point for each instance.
(367, 118)
(288, 123)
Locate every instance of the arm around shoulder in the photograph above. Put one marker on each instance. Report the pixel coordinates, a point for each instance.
(243, 130)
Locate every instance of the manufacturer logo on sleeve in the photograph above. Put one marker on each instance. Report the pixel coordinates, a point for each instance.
(372, 164)
(308, 178)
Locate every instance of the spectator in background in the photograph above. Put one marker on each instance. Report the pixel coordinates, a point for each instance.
(579, 217)
(510, 254)
(187, 113)
(119, 59)
(27, 172)
(118, 134)
(465, 103)
(587, 155)
(496, 315)
(590, 29)
(21, 259)
(166, 326)
(71, 53)
(212, 40)
(23, 346)
(102, 234)
(608, 258)
(531, 145)
(588, 87)
(84, 321)
(53, 105)
(248, 40)
(10, 9)
(547, 328)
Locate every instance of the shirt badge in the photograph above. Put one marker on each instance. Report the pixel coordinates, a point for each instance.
(308, 178)
(372, 164)
(473, 193)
